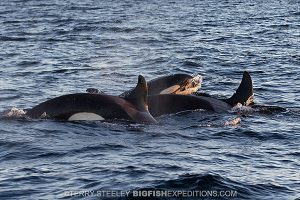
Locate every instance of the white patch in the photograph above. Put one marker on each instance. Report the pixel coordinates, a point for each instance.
(85, 116)
(170, 90)
(44, 115)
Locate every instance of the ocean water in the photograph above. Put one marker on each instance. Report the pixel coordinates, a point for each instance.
(51, 48)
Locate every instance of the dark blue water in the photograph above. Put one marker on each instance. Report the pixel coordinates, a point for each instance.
(51, 48)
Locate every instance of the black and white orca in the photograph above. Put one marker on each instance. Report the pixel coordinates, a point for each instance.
(87, 106)
(170, 103)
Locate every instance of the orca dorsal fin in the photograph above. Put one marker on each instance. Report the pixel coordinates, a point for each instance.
(138, 95)
(244, 93)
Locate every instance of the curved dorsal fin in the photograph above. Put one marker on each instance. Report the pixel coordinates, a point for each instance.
(244, 93)
(138, 95)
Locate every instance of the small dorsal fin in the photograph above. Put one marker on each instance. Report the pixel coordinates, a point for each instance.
(244, 93)
(93, 91)
(138, 95)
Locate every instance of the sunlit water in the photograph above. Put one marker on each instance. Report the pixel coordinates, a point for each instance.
(51, 48)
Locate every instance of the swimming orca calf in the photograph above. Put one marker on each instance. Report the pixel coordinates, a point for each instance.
(171, 84)
(86, 106)
(169, 103)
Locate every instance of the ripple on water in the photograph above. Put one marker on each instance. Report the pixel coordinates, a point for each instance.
(215, 182)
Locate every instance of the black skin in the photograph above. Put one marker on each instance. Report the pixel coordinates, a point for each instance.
(65, 106)
(132, 107)
(171, 103)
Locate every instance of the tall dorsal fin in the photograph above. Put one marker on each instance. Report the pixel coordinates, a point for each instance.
(244, 93)
(138, 95)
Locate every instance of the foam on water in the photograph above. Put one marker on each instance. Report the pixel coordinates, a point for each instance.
(241, 109)
(15, 113)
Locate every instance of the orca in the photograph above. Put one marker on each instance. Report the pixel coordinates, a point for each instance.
(170, 103)
(87, 106)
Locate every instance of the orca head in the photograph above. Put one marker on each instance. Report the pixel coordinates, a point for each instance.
(177, 84)
(244, 93)
(189, 86)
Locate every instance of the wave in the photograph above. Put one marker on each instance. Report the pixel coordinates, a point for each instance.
(12, 39)
(9, 97)
(262, 136)
(99, 148)
(85, 28)
(84, 68)
(211, 186)
(28, 63)
(119, 29)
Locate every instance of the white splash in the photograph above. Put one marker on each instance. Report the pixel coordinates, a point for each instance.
(233, 122)
(15, 112)
(241, 109)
